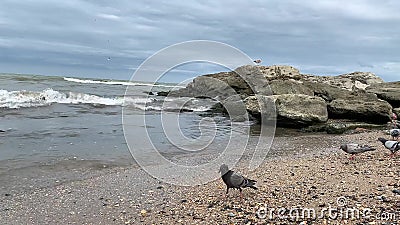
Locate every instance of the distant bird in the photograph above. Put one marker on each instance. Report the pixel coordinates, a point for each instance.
(258, 61)
(393, 146)
(354, 149)
(395, 133)
(235, 180)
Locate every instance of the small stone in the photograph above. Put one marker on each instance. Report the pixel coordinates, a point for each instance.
(231, 214)
(143, 212)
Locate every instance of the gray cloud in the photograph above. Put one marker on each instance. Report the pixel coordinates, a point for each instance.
(320, 37)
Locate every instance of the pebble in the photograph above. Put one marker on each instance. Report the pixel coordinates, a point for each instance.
(231, 214)
(143, 212)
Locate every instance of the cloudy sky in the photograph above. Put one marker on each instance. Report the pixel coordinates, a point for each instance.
(110, 39)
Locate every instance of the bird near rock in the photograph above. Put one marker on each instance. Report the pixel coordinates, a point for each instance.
(258, 61)
(235, 180)
(354, 149)
(395, 133)
(393, 146)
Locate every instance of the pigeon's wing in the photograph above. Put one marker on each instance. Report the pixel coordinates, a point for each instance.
(353, 148)
(391, 145)
(236, 179)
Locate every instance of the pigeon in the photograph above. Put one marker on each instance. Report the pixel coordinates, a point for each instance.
(354, 149)
(393, 146)
(235, 180)
(395, 133)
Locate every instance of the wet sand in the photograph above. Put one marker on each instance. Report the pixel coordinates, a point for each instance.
(304, 174)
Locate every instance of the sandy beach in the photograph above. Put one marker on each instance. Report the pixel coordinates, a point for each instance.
(313, 177)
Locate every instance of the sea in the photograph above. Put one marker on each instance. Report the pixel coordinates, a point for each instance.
(56, 129)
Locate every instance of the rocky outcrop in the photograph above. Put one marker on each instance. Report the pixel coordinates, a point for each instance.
(298, 110)
(294, 110)
(362, 110)
(389, 92)
(302, 99)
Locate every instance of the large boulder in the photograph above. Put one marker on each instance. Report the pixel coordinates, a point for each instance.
(389, 92)
(281, 72)
(330, 93)
(293, 110)
(349, 81)
(280, 87)
(374, 111)
(217, 86)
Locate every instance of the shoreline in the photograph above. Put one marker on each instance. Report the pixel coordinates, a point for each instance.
(314, 175)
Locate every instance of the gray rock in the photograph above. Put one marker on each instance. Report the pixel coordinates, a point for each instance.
(301, 99)
(300, 110)
(349, 81)
(389, 92)
(280, 72)
(290, 110)
(280, 87)
(377, 111)
(260, 105)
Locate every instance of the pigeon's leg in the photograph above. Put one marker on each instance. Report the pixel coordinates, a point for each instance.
(352, 157)
(241, 195)
(226, 193)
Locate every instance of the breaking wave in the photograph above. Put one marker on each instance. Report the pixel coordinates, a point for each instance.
(26, 99)
(126, 83)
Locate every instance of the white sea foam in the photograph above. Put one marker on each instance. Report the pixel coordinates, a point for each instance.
(26, 99)
(125, 83)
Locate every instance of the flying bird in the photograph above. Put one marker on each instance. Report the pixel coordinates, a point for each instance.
(235, 180)
(258, 61)
(393, 146)
(354, 149)
(395, 133)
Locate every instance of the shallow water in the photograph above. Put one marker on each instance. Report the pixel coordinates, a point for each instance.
(52, 122)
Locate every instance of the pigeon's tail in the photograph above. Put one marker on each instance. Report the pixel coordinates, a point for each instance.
(383, 140)
(250, 183)
(368, 148)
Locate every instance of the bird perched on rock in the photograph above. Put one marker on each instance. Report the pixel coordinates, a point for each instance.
(395, 133)
(393, 146)
(354, 149)
(235, 180)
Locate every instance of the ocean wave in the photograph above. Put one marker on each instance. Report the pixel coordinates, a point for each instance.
(26, 99)
(125, 83)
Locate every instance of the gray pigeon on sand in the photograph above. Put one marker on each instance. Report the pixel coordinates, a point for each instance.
(354, 149)
(393, 146)
(235, 180)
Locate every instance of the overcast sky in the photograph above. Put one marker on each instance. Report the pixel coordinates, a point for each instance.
(110, 39)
